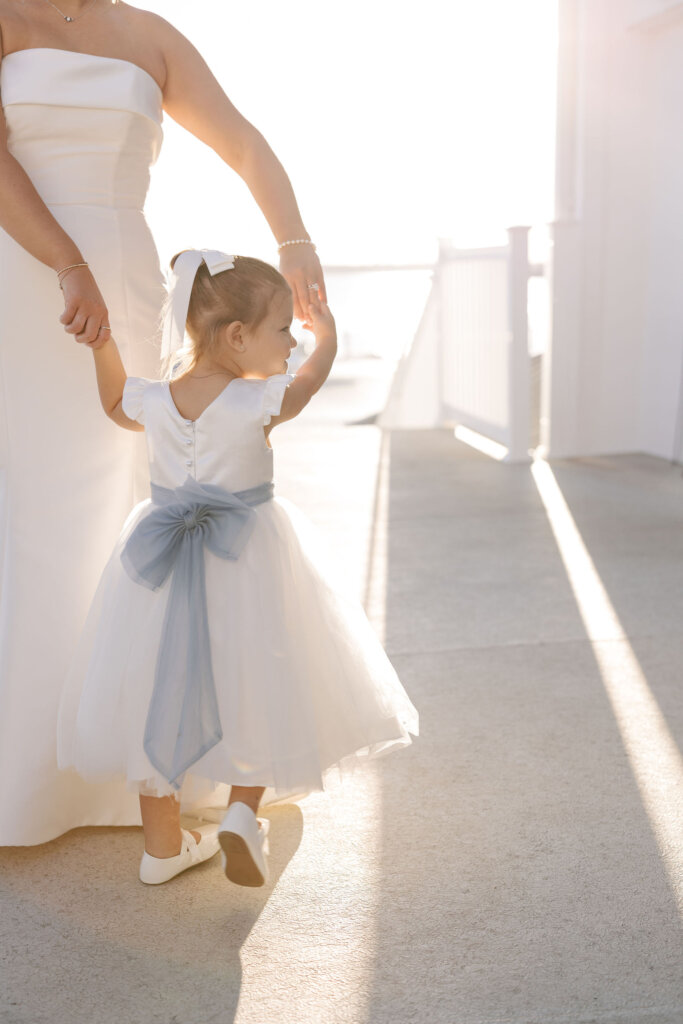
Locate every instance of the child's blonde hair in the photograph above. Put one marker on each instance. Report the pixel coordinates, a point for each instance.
(244, 293)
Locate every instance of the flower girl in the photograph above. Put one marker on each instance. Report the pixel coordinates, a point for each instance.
(219, 647)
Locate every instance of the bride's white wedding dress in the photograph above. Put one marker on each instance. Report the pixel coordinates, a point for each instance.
(86, 129)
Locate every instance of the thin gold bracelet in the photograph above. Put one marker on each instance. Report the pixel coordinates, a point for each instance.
(72, 267)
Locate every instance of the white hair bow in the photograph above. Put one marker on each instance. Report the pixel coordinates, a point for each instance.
(181, 280)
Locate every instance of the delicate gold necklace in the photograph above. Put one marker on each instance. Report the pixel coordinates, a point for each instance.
(68, 17)
(191, 376)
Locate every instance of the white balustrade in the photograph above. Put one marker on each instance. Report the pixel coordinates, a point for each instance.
(469, 362)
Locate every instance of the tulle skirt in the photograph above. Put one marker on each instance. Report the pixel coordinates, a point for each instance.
(304, 686)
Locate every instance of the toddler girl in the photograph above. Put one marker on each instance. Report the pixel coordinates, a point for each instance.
(218, 647)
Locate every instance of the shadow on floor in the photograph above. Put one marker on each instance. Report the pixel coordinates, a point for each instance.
(519, 877)
(88, 942)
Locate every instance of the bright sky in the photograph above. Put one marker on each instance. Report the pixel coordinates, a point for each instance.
(397, 124)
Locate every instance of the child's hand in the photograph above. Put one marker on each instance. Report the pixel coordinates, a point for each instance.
(102, 339)
(319, 320)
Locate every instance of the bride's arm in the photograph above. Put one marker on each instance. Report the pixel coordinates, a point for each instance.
(194, 99)
(25, 217)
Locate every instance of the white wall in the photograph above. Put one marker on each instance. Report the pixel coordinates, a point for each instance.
(662, 349)
(619, 187)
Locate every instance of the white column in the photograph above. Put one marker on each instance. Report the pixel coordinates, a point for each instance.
(560, 386)
(519, 385)
(560, 381)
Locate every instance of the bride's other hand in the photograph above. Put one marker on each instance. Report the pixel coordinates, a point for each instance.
(300, 266)
(84, 309)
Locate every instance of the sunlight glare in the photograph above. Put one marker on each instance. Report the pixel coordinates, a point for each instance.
(652, 751)
(483, 444)
(351, 812)
(375, 597)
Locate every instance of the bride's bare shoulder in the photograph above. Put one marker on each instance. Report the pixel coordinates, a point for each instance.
(11, 23)
(169, 40)
(8, 9)
(128, 23)
(152, 37)
(139, 19)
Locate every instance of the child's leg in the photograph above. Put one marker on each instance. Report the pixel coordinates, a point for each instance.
(161, 825)
(249, 795)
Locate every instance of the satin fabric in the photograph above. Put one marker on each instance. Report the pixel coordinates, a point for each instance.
(183, 721)
(182, 279)
(179, 447)
(87, 130)
(304, 688)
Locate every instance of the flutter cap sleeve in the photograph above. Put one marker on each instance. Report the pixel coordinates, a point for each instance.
(131, 403)
(273, 394)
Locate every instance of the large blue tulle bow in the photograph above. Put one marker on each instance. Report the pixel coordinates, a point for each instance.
(183, 720)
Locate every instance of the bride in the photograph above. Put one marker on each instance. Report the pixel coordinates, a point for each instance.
(83, 85)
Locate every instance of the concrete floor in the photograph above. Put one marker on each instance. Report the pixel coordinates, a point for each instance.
(521, 862)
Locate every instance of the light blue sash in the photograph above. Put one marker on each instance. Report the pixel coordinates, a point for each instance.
(183, 721)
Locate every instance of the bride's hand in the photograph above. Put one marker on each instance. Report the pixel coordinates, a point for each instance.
(300, 265)
(84, 310)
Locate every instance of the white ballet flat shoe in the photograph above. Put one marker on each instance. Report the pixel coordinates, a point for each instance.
(154, 870)
(244, 846)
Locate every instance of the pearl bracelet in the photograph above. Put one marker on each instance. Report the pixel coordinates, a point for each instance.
(296, 241)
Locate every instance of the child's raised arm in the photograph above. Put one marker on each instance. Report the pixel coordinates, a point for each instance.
(111, 377)
(312, 373)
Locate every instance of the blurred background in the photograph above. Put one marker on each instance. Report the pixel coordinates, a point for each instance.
(397, 129)
(415, 141)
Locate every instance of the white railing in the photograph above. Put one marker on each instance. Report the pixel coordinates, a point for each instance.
(468, 364)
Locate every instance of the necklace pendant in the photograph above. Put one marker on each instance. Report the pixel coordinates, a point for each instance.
(68, 19)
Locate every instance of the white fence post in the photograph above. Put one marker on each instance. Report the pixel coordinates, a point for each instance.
(438, 290)
(519, 386)
(560, 414)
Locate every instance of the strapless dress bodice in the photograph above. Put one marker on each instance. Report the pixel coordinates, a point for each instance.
(86, 129)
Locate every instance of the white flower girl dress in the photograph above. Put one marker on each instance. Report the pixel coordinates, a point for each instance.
(260, 670)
